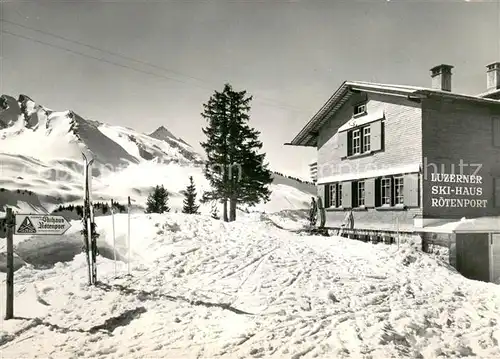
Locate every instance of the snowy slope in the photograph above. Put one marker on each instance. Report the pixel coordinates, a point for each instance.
(41, 151)
(202, 288)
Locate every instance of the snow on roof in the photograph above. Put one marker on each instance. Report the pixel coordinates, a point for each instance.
(358, 121)
(489, 93)
(386, 86)
(464, 225)
(417, 89)
(370, 172)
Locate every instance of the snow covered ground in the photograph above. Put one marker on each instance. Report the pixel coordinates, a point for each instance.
(202, 288)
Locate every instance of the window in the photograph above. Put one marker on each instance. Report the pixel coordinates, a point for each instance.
(386, 191)
(360, 193)
(356, 141)
(359, 141)
(359, 109)
(389, 191)
(339, 194)
(334, 195)
(398, 190)
(366, 139)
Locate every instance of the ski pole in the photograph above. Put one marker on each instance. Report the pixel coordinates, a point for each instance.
(114, 237)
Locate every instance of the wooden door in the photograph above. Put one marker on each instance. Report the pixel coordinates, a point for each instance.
(495, 258)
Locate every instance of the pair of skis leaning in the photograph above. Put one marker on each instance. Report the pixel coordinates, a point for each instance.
(90, 241)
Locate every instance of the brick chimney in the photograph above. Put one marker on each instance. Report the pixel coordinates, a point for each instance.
(441, 77)
(493, 76)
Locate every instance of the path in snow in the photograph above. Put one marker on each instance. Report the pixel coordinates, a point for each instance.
(195, 278)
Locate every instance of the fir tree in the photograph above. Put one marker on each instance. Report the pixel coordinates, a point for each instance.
(234, 168)
(214, 213)
(190, 206)
(157, 201)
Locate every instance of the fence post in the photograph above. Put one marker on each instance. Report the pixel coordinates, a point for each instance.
(397, 230)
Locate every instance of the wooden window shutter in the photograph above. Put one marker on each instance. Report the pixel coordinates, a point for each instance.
(347, 194)
(410, 190)
(496, 131)
(370, 192)
(376, 136)
(343, 144)
(378, 192)
(326, 195)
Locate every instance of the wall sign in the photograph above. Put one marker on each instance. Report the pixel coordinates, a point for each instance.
(457, 190)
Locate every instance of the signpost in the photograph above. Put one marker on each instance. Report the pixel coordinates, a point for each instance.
(128, 235)
(40, 224)
(9, 307)
(27, 225)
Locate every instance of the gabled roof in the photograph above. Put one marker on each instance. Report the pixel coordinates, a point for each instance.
(309, 134)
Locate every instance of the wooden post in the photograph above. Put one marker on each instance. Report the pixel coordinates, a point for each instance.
(128, 236)
(397, 227)
(10, 223)
(425, 242)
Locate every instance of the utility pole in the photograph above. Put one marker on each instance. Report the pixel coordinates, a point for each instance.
(10, 223)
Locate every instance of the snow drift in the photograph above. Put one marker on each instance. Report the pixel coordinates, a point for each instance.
(203, 288)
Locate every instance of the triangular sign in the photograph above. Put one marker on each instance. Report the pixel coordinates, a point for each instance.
(26, 227)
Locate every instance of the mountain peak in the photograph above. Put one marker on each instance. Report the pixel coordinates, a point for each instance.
(24, 98)
(162, 132)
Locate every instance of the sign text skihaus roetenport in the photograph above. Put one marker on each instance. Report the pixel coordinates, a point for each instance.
(40, 224)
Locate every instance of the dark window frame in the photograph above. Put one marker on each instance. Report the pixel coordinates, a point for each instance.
(398, 182)
(360, 196)
(359, 109)
(389, 191)
(359, 141)
(386, 194)
(335, 188)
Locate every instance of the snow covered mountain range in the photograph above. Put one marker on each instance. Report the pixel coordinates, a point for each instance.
(41, 164)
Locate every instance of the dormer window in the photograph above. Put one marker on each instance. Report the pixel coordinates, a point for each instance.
(359, 109)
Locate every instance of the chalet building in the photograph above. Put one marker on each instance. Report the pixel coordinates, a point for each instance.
(415, 160)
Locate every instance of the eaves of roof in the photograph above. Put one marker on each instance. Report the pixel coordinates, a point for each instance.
(309, 133)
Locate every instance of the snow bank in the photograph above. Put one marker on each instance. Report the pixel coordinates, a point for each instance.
(204, 288)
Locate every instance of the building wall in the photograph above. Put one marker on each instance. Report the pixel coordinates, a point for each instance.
(454, 134)
(402, 137)
(402, 145)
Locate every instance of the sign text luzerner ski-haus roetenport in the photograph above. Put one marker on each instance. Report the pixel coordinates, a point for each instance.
(457, 190)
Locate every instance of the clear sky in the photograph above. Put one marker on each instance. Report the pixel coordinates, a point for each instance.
(290, 55)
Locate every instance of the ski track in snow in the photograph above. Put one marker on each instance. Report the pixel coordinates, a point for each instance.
(298, 297)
